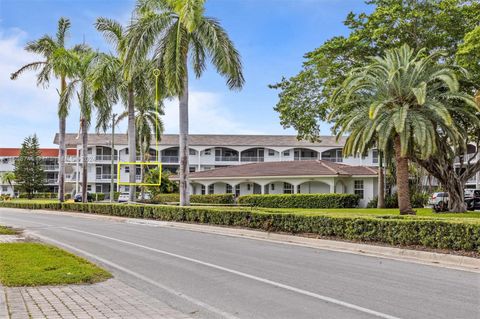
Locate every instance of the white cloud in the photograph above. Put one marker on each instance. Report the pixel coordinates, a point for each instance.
(207, 114)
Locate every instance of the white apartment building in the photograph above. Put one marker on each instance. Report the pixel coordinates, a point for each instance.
(206, 152)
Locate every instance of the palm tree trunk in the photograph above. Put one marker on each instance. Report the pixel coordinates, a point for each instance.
(61, 148)
(83, 124)
(183, 98)
(132, 149)
(142, 159)
(381, 182)
(403, 190)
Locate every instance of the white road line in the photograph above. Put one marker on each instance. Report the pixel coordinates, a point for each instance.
(239, 273)
(139, 276)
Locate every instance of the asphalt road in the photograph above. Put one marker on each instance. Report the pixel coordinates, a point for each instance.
(214, 276)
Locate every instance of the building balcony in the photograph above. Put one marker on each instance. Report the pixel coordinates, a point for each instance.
(308, 158)
(105, 176)
(169, 159)
(332, 159)
(102, 158)
(51, 181)
(253, 159)
(226, 158)
(50, 167)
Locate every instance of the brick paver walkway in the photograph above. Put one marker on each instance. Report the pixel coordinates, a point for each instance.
(110, 299)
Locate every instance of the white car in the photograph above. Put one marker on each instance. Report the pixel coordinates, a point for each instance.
(123, 197)
(438, 198)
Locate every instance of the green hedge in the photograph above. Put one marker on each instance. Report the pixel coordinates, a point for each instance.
(204, 199)
(301, 200)
(43, 196)
(394, 230)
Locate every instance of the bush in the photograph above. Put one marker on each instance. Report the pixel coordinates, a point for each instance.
(202, 199)
(98, 196)
(40, 195)
(393, 230)
(418, 200)
(301, 200)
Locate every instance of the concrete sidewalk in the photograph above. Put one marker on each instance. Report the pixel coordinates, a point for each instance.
(110, 299)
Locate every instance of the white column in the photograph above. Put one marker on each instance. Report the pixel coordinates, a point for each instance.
(77, 174)
(199, 166)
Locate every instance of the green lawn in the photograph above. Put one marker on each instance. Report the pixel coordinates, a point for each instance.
(7, 231)
(35, 264)
(360, 212)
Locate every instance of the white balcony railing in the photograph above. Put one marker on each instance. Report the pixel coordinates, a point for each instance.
(105, 176)
(332, 159)
(50, 167)
(169, 159)
(309, 158)
(101, 158)
(226, 158)
(252, 159)
(51, 181)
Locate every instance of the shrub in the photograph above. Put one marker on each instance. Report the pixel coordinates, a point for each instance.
(203, 199)
(40, 195)
(418, 200)
(301, 200)
(98, 196)
(393, 230)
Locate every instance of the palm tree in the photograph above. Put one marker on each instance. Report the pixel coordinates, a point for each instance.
(147, 124)
(57, 61)
(89, 96)
(130, 83)
(8, 178)
(176, 30)
(399, 101)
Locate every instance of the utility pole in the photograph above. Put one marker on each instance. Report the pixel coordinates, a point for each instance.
(112, 167)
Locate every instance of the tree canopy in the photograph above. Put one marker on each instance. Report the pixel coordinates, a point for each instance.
(433, 25)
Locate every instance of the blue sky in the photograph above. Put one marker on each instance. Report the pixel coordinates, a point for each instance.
(271, 35)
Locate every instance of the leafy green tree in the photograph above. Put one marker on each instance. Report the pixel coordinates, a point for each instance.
(166, 185)
(132, 83)
(89, 95)
(57, 61)
(304, 99)
(400, 100)
(177, 30)
(29, 174)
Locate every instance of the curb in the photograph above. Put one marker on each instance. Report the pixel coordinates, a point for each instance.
(409, 255)
(457, 262)
(3, 304)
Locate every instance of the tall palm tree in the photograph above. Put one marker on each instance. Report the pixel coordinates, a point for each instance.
(176, 30)
(89, 96)
(399, 101)
(8, 178)
(147, 124)
(57, 61)
(130, 83)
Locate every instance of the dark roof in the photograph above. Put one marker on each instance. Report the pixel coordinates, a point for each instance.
(211, 140)
(286, 168)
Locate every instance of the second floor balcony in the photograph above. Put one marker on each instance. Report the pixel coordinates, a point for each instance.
(252, 159)
(50, 167)
(102, 158)
(226, 158)
(105, 176)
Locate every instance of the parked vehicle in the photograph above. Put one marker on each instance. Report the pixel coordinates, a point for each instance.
(123, 197)
(78, 198)
(439, 199)
(471, 193)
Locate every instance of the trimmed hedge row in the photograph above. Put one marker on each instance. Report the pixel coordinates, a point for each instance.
(43, 195)
(204, 199)
(301, 200)
(394, 230)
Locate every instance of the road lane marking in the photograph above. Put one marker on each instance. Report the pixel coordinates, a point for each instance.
(139, 276)
(253, 277)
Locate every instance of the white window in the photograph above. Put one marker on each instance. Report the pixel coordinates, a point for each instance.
(192, 169)
(286, 153)
(375, 156)
(211, 189)
(237, 190)
(208, 151)
(127, 169)
(4, 189)
(192, 152)
(358, 188)
(271, 153)
(287, 188)
(228, 189)
(298, 189)
(272, 186)
(249, 186)
(89, 188)
(203, 189)
(89, 151)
